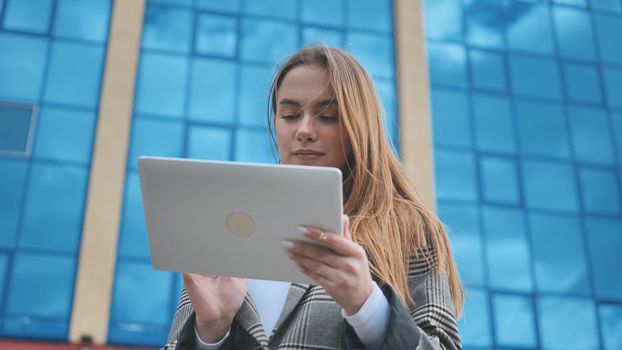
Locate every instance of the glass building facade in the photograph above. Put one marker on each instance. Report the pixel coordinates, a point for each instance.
(204, 71)
(51, 61)
(527, 123)
(526, 100)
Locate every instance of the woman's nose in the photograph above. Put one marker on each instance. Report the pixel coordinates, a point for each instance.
(306, 130)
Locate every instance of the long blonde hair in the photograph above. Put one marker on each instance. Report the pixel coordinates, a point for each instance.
(387, 217)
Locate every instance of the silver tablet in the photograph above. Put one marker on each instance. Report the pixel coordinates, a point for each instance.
(228, 219)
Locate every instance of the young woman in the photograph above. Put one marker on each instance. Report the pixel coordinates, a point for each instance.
(389, 283)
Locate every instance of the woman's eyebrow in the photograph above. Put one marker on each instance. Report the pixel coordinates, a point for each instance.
(289, 102)
(325, 103)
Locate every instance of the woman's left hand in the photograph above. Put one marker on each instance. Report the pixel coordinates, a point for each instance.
(338, 264)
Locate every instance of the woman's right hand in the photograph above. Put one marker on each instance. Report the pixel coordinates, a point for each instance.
(215, 300)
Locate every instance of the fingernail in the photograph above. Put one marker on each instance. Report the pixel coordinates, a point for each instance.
(291, 255)
(287, 245)
(303, 230)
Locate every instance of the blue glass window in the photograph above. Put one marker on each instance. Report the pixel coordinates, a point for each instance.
(21, 66)
(173, 2)
(487, 70)
(167, 28)
(451, 124)
(313, 35)
(591, 136)
(536, 77)
(549, 186)
(604, 241)
(254, 146)
(54, 208)
(16, 126)
(209, 143)
(443, 19)
(74, 74)
(326, 12)
(608, 29)
(507, 250)
(574, 33)
(607, 5)
(28, 15)
(542, 129)
(133, 236)
(370, 14)
(374, 52)
(514, 321)
(448, 164)
(527, 24)
(152, 137)
(567, 323)
(29, 273)
(4, 260)
(475, 324)
(65, 134)
(275, 8)
(216, 34)
(212, 90)
(141, 298)
(582, 83)
(484, 25)
(267, 41)
(617, 129)
(91, 24)
(493, 123)
(611, 326)
(559, 268)
(220, 5)
(254, 95)
(461, 222)
(499, 180)
(600, 191)
(447, 64)
(572, 2)
(162, 84)
(613, 86)
(12, 184)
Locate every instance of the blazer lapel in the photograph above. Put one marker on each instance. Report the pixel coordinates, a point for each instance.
(248, 318)
(294, 296)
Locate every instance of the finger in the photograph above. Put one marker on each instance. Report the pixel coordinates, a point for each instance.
(339, 244)
(194, 277)
(322, 281)
(315, 252)
(346, 226)
(315, 268)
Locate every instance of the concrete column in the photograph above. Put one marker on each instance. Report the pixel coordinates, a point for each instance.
(98, 251)
(414, 92)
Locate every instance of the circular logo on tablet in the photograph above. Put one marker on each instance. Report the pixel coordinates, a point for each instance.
(240, 224)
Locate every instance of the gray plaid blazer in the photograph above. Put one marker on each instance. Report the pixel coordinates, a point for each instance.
(312, 320)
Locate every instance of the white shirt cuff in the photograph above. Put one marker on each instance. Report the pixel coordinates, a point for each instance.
(201, 345)
(371, 321)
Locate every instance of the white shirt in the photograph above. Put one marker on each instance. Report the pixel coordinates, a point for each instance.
(370, 322)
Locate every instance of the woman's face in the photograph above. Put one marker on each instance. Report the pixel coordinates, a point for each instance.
(307, 120)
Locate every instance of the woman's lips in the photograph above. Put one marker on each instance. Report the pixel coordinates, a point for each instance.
(308, 155)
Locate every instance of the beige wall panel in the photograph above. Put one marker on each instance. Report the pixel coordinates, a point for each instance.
(413, 98)
(91, 304)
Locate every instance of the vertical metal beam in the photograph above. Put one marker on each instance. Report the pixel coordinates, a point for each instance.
(413, 98)
(91, 303)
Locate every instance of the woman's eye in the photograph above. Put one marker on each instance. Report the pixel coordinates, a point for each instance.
(329, 117)
(289, 116)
